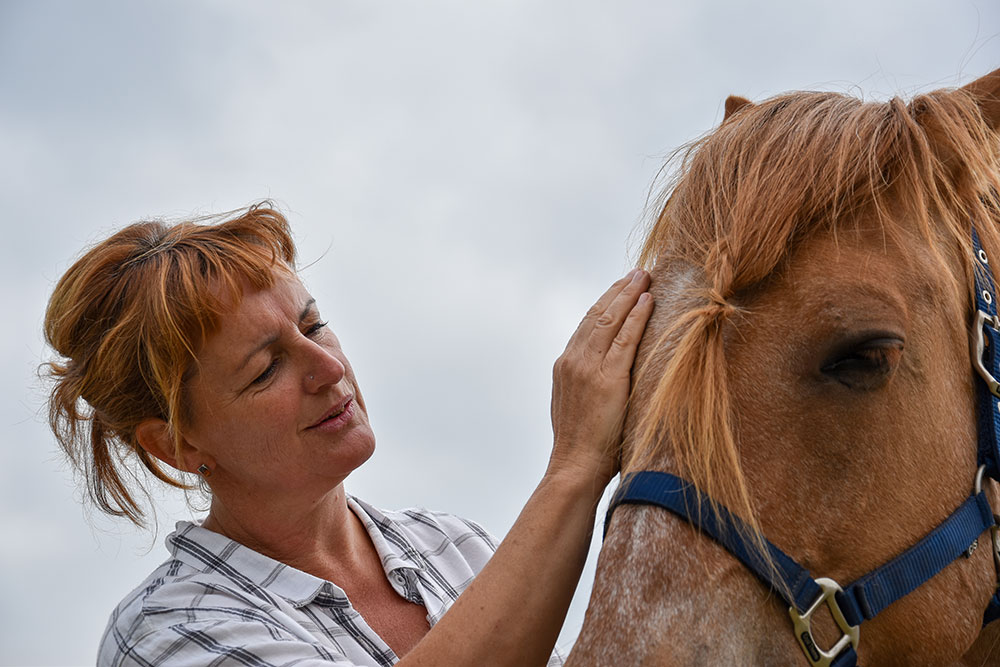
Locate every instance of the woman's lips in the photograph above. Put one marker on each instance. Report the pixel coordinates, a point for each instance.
(338, 417)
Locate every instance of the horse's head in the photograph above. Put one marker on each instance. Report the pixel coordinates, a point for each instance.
(808, 367)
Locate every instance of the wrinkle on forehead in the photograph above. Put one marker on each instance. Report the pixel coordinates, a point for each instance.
(251, 317)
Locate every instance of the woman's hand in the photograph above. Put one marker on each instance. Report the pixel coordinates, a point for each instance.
(590, 384)
(512, 611)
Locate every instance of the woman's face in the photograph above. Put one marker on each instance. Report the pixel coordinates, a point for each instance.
(275, 402)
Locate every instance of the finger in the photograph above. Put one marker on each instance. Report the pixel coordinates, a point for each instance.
(590, 319)
(610, 322)
(621, 354)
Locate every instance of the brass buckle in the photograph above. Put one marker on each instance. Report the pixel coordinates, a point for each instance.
(803, 633)
(979, 347)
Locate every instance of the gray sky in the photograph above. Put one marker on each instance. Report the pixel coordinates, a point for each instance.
(467, 178)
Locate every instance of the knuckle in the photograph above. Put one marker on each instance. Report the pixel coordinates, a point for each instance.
(578, 372)
(607, 319)
(565, 365)
(559, 365)
(618, 355)
(626, 337)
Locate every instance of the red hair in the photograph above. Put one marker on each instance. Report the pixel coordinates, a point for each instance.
(127, 320)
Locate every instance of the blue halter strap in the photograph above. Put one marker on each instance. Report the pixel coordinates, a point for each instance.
(863, 599)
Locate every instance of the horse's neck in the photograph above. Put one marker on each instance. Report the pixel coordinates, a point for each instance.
(655, 605)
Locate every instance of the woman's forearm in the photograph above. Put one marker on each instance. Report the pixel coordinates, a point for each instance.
(512, 612)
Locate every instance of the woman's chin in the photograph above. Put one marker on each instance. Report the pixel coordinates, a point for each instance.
(356, 448)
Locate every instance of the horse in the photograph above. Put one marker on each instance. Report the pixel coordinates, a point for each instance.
(807, 371)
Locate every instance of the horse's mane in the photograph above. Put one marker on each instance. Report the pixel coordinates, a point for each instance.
(736, 204)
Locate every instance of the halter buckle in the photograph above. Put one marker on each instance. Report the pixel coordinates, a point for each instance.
(979, 349)
(816, 656)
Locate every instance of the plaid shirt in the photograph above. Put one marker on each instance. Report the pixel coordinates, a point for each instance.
(216, 602)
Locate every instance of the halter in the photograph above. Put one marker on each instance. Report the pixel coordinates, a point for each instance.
(863, 599)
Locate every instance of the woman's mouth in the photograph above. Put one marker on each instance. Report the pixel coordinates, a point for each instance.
(338, 415)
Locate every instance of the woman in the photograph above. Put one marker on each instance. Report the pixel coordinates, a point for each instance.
(195, 350)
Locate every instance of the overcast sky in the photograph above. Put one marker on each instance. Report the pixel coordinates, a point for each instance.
(463, 178)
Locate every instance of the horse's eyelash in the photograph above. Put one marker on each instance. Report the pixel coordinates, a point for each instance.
(876, 355)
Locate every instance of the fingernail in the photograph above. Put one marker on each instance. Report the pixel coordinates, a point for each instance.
(644, 297)
(631, 274)
(637, 275)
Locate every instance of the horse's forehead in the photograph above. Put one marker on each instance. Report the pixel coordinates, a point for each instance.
(877, 262)
(834, 289)
(674, 283)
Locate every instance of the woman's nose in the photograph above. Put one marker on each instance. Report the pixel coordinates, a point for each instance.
(325, 369)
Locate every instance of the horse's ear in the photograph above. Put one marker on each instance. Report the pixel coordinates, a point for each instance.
(986, 91)
(733, 104)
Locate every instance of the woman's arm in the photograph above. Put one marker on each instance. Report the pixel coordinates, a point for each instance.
(512, 612)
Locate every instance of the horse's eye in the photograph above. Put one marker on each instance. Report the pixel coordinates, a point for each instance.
(866, 365)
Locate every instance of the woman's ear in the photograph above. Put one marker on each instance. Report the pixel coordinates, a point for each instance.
(157, 438)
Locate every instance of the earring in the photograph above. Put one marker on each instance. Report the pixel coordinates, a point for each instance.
(312, 377)
(205, 470)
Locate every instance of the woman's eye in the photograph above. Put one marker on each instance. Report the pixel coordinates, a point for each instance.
(865, 366)
(311, 332)
(315, 329)
(263, 377)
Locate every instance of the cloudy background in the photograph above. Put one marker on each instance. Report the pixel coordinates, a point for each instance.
(464, 179)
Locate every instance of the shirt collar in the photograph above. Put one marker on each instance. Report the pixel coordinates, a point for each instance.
(208, 551)
(378, 525)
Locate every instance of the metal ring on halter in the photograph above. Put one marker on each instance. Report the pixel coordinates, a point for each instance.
(977, 488)
(982, 257)
(979, 350)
